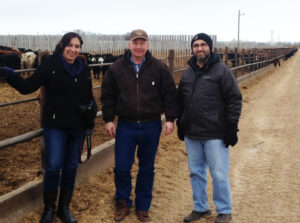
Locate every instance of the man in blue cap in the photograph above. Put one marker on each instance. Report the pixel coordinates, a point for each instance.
(210, 102)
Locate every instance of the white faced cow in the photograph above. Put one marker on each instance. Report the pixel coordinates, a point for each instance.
(28, 60)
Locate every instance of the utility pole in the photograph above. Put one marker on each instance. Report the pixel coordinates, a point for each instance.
(238, 36)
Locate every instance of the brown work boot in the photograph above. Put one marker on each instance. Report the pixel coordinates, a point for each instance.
(143, 216)
(196, 215)
(223, 218)
(122, 210)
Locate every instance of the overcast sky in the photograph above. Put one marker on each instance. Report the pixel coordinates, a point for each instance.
(262, 19)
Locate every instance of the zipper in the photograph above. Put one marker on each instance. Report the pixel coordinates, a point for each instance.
(137, 93)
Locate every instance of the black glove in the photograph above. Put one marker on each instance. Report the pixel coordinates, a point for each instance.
(180, 130)
(230, 134)
(6, 72)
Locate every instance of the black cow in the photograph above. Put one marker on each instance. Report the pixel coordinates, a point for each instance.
(231, 58)
(108, 58)
(95, 59)
(100, 59)
(288, 55)
(276, 62)
(11, 60)
(220, 55)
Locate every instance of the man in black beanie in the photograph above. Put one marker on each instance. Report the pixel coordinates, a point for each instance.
(210, 104)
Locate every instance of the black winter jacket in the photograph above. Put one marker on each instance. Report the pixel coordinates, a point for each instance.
(142, 96)
(209, 97)
(64, 94)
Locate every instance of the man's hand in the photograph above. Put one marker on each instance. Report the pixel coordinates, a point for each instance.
(168, 128)
(110, 129)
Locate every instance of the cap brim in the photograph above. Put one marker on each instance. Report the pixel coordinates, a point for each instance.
(138, 37)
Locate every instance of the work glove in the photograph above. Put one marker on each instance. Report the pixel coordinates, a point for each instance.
(180, 130)
(6, 72)
(230, 133)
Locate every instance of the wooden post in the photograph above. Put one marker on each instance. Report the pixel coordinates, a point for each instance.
(215, 50)
(243, 61)
(248, 59)
(171, 59)
(252, 59)
(226, 55)
(42, 97)
(236, 61)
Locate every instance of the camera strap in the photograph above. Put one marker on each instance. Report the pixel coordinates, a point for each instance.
(89, 149)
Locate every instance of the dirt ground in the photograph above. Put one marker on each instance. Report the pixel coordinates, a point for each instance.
(20, 164)
(265, 164)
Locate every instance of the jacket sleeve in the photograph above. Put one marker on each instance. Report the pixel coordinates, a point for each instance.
(40, 77)
(232, 96)
(90, 93)
(170, 95)
(108, 97)
(91, 97)
(180, 100)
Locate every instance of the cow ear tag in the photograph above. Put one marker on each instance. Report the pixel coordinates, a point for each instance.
(153, 83)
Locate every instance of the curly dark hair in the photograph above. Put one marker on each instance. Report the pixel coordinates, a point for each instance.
(65, 41)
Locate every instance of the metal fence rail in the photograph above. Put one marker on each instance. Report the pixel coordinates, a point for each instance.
(37, 133)
(37, 98)
(27, 136)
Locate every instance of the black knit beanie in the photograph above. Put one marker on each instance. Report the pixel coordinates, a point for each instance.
(205, 38)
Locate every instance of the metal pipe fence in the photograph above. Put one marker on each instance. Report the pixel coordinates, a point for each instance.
(37, 133)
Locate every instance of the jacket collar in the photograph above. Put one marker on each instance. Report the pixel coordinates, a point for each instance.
(59, 64)
(213, 58)
(148, 59)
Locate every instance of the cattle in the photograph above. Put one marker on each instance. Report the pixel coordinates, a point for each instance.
(220, 55)
(29, 60)
(288, 55)
(260, 59)
(83, 57)
(276, 62)
(100, 59)
(95, 59)
(10, 59)
(108, 58)
(231, 58)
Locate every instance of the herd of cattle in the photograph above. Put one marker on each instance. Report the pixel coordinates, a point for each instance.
(249, 58)
(26, 59)
(99, 59)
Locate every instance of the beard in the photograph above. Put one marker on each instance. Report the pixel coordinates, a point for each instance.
(202, 59)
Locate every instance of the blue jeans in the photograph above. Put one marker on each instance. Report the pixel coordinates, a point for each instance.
(62, 151)
(128, 136)
(214, 154)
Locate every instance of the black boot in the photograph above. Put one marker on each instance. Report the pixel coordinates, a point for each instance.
(49, 206)
(63, 212)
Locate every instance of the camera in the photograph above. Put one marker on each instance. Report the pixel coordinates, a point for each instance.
(88, 113)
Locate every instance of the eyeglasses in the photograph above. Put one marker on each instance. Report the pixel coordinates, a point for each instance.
(202, 45)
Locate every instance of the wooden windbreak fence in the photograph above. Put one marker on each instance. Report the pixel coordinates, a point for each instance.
(93, 43)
